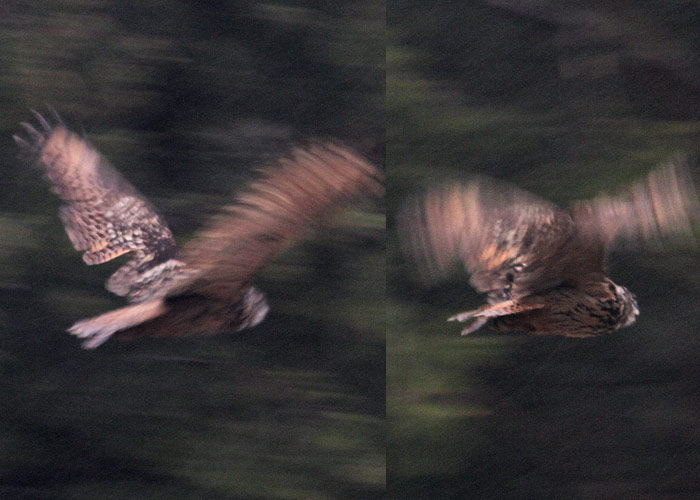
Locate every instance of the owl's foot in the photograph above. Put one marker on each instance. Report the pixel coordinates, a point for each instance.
(478, 317)
(462, 317)
(473, 326)
(474, 322)
(95, 331)
(485, 311)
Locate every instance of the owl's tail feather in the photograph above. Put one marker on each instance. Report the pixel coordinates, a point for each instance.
(95, 331)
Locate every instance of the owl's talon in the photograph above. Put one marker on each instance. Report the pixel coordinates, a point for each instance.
(42, 121)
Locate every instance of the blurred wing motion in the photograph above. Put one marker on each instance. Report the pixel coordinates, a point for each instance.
(288, 197)
(665, 204)
(508, 239)
(104, 215)
(543, 267)
(206, 287)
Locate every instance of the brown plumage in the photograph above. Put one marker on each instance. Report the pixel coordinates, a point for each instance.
(205, 287)
(543, 267)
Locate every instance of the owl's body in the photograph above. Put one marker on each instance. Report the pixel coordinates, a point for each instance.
(599, 307)
(541, 266)
(178, 315)
(206, 286)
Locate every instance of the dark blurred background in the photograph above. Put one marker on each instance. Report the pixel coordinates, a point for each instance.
(566, 99)
(185, 98)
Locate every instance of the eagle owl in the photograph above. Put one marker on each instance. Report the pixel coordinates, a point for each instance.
(204, 287)
(541, 266)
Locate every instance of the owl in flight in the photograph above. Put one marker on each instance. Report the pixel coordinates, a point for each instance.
(204, 287)
(541, 266)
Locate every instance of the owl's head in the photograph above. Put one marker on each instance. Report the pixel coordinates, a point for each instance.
(629, 309)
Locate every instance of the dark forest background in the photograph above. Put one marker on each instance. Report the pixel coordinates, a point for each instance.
(567, 99)
(186, 98)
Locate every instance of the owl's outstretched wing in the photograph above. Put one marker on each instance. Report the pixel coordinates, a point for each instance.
(104, 215)
(289, 196)
(663, 206)
(511, 242)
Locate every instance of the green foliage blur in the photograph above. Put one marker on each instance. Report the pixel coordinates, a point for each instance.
(567, 99)
(185, 98)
